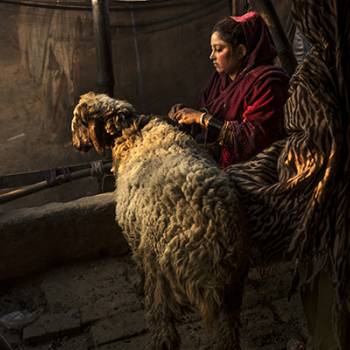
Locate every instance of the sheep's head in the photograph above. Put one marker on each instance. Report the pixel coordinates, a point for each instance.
(98, 120)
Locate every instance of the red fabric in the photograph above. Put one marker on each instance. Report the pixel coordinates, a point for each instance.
(253, 102)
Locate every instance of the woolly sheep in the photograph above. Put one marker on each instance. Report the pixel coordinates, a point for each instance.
(179, 214)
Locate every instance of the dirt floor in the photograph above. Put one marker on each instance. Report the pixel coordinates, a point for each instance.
(94, 305)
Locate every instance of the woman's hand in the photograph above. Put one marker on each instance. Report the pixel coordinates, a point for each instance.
(187, 116)
(174, 109)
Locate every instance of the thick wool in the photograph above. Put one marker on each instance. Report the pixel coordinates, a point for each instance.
(180, 215)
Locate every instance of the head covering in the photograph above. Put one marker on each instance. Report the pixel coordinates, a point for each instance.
(261, 49)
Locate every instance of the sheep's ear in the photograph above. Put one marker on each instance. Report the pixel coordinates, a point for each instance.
(96, 132)
(80, 133)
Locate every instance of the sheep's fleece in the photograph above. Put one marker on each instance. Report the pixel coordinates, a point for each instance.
(180, 215)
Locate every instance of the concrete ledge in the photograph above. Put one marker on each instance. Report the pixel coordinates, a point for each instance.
(34, 239)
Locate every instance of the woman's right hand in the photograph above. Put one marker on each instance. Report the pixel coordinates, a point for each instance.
(188, 116)
(174, 109)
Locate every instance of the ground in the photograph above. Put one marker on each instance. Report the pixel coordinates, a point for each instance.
(95, 305)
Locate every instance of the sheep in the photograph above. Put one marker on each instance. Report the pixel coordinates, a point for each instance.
(180, 216)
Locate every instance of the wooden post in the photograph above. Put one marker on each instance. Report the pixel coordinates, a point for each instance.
(236, 8)
(283, 46)
(105, 77)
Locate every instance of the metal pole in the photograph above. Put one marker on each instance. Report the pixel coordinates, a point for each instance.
(235, 8)
(238, 7)
(283, 46)
(21, 192)
(105, 77)
(4, 345)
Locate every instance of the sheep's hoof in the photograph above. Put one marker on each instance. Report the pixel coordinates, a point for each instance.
(139, 283)
(165, 345)
(227, 346)
(168, 341)
(139, 287)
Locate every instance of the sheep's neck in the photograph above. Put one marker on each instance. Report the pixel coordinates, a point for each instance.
(124, 143)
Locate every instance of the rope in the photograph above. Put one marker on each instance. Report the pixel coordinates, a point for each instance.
(97, 169)
(59, 176)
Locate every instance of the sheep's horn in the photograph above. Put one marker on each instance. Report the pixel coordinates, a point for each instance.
(96, 133)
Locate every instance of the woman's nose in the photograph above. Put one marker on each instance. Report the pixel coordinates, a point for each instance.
(211, 57)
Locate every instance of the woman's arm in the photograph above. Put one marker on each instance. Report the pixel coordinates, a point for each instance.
(260, 124)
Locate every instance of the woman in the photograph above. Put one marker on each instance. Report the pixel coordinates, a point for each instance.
(242, 106)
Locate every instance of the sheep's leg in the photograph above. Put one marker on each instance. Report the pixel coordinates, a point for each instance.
(228, 321)
(158, 306)
(227, 331)
(139, 283)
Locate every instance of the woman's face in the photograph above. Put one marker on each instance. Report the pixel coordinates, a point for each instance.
(225, 58)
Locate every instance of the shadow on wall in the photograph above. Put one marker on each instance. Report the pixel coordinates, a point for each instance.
(160, 54)
(47, 59)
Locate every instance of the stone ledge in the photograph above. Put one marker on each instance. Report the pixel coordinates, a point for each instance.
(120, 326)
(50, 326)
(106, 307)
(34, 239)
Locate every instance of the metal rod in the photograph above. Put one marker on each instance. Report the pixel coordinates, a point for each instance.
(105, 77)
(283, 46)
(21, 192)
(4, 345)
(29, 178)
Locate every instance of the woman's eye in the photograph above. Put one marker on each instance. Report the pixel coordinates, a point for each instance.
(217, 49)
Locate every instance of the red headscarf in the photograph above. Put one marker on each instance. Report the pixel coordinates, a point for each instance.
(261, 49)
(256, 95)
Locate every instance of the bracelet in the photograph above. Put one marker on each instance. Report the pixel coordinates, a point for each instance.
(202, 120)
(215, 123)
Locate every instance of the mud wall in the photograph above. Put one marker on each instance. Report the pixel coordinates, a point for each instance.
(160, 54)
(47, 59)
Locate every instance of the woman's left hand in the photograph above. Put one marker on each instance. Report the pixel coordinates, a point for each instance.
(187, 116)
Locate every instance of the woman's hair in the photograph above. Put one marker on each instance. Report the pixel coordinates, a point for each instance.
(230, 31)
